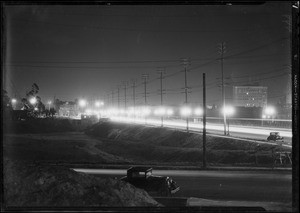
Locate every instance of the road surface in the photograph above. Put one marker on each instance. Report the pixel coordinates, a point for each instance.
(262, 186)
(249, 132)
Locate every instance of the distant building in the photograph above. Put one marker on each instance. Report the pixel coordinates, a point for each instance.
(250, 96)
(68, 109)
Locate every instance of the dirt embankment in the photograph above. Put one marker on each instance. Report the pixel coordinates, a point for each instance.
(30, 185)
(154, 144)
(30, 146)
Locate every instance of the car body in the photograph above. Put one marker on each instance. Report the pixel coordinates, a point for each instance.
(274, 136)
(141, 177)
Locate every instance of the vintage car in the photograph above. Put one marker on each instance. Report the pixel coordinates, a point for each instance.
(141, 177)
(275, 136)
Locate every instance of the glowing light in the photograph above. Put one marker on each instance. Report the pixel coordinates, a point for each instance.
(160, 111)
(113, 111)
(99, 103)
(33, 100)
(82, 103)
(121, 111)
(131, 111)
(88, 111)
(138, 112)
(185, 111)
(170, 112)
(264, 116)
(36, 109)
(182, 125)
(198, 111)
(270, 110)
(145, 111)
(13, 100)
(228, 110)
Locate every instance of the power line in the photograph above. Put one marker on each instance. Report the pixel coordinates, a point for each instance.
(259, 74)
(240, 53)
(100, 62)
(82, 67)
(276, 76)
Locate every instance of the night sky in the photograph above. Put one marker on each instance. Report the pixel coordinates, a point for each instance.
(87, 51)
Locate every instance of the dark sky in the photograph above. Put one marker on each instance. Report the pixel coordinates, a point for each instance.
(87, 51)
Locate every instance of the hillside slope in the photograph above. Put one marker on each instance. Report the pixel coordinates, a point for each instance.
(32, 185)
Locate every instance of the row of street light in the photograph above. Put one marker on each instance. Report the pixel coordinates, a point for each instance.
(145, 111)
(162, 111)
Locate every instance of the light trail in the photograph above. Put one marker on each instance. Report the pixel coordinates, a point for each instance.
(198, 126)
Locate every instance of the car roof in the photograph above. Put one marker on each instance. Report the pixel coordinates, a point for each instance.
(139, 169)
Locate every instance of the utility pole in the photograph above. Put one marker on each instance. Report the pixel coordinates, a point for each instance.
(161, 71)
(112, 98)
(54, 102)
(145, 79)
(185, 63)
(125, 97)
(204, 123)
(288, 22)
(133, 93)
(222, 51)
(118, 97)
(108, 99)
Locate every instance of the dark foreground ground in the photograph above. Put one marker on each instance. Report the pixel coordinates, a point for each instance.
(106, 144)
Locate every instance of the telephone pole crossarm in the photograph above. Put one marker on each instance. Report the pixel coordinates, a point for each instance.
(222, 51)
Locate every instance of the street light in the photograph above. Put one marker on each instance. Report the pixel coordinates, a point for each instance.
(99, 103)
(82, 103)
(88, 111)
(270, 112)
(161, 111)
(49, 102)
(228, 110)
(262, 120)
(13, 102)
(146, 111)
(198, 111)
(33, 100)
(185, 112)
(170, 112)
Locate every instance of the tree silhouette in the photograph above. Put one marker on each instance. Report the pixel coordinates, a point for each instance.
(36, 108)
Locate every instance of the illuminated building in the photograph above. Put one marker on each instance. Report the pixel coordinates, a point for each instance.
(250, 96)
(68, 109)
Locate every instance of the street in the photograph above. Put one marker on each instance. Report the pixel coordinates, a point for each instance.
(247, 132)
(267, 186)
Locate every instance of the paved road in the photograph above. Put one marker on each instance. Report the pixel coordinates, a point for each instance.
(268, 186)
(251, 132)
